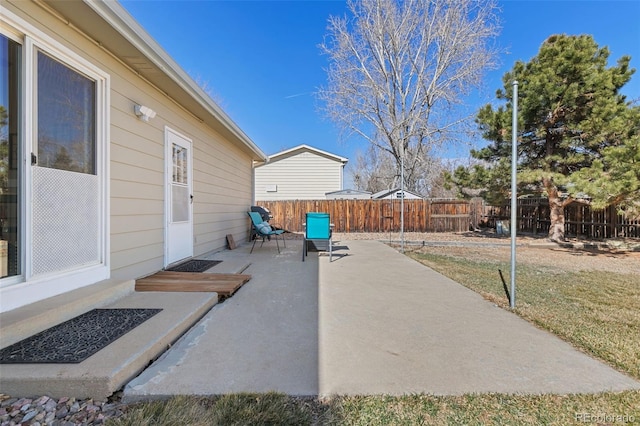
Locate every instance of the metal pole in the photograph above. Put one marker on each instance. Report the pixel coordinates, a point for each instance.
(402, 199)
(514, 195)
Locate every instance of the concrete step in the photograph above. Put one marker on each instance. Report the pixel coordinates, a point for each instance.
(100, 375)
(26, 321)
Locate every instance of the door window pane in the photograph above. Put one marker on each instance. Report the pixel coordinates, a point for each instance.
(179, 186)
(10, 173)
(179, 164)
(66, 117)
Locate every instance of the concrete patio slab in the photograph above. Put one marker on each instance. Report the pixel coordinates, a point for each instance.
(389, 325)
(263, 338)
(371, 322)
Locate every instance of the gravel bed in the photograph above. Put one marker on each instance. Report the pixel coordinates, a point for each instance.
(576, 254)
(620, 255)
(57, 412)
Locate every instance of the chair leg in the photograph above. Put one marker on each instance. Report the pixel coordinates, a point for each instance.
(254, 244)
(304, 246)
(277, 245)
(330, 250)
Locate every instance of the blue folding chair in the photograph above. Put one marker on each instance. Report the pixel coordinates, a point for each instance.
(317, 234)
(264, 230)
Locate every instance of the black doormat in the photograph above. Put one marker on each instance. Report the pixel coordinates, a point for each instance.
(194, 265)
(77, 339)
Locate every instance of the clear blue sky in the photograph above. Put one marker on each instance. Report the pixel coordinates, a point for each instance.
(261, 63)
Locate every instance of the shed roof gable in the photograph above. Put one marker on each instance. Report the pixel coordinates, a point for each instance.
(387, 192)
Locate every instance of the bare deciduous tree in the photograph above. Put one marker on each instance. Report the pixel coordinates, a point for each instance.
(376, 170)
(398, 68)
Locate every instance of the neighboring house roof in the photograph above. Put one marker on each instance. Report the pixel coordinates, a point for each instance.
(299, 173)
(389, 192)
(300, 148)
(349, 194)
(111, 27)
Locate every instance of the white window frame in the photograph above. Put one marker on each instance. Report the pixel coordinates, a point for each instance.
(25, 288)
(13, 35)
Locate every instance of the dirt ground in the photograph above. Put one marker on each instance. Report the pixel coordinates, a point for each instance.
(621, 256)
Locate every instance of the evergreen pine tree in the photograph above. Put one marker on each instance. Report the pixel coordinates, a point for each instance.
(573, 125)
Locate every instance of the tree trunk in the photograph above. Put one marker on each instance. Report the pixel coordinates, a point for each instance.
(556, 211)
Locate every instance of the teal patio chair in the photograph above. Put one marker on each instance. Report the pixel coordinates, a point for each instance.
(264, 230)
(317, 234)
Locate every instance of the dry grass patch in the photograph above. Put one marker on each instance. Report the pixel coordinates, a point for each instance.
(489, 409)
(485, 409)
(235, 409)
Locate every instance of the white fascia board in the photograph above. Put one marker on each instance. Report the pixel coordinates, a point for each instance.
(120, 20)
(343, 160)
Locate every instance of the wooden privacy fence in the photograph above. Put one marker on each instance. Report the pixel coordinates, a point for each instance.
(580, 219)
(376, 215)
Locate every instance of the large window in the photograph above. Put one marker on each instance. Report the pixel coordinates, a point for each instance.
(54, 133)
(66, 118)
(54, 110)
(10, 172)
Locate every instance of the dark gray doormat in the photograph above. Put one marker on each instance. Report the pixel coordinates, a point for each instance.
(77, 339)
(194, 265)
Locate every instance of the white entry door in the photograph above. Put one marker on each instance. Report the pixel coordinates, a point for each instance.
(178, 198)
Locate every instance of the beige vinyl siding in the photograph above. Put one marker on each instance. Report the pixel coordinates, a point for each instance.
(222, 181)
(304, 176)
